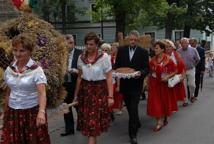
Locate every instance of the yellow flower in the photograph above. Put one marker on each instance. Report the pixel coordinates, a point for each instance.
(1, 74)
(30, 24)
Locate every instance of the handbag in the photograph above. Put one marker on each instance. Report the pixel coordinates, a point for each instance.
(174, 80)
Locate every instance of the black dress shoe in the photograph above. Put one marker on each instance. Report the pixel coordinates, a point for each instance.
(133, 140)
(139, 125)
(112, 117)
(67, 133)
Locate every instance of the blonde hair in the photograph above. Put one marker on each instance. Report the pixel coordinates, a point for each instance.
(170, 43)
(107, 47)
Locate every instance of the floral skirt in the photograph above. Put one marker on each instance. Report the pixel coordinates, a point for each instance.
(93, 112)
(20, 128)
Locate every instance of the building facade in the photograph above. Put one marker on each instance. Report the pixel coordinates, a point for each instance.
(84, 24)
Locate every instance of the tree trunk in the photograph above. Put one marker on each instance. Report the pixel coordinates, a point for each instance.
(169, 25)
(63, 6)
(187, 26)
(120, 19)
(187, 31)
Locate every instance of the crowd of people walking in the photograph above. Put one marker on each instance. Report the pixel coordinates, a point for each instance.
(91, 81)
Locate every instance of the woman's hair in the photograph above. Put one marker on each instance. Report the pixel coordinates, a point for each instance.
(92, 36)
(161, 44)
(25, 39)
(169, 43)
(107, 47)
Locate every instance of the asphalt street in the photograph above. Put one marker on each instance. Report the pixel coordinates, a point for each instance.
(190, 125)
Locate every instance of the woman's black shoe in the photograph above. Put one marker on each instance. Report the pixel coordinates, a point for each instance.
(67, 133)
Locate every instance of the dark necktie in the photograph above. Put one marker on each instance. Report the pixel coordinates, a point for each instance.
(132, 48)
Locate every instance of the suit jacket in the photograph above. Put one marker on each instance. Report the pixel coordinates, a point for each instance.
(70, 86)
(139, 62)
(76, 54)
(201, 65)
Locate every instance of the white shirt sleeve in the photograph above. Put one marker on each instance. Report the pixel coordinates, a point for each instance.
(5, 75)
(79, 63)
(106, 63)
(39, 76)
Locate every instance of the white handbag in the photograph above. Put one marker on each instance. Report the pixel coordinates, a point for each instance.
(174, 80)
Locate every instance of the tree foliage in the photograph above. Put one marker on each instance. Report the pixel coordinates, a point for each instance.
(129, 14)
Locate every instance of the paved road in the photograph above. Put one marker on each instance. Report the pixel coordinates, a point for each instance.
(191, 125)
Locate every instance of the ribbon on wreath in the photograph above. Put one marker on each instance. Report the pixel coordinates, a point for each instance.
(25, 5)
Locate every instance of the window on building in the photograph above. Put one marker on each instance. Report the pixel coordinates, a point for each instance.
(152, 34)
(178, 35)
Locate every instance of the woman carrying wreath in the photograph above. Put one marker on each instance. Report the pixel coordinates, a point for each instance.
(94, 90)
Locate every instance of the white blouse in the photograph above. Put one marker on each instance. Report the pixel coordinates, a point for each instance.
(173, 58)
(96, 71)
(23, 88)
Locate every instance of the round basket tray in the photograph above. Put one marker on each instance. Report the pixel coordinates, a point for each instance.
(125, 73)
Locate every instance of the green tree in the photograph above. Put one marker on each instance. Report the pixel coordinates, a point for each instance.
(198, 16)
(128, 14)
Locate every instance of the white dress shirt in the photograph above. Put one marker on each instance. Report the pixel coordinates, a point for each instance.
(131, 52)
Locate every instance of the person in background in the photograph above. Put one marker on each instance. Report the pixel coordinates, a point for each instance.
(200, 67)
(210, 64)
(180, 65)
(161, 101)
(70, 83)
(118, 97)
(25, 119)
(137, 58)
(106, 48)
(191, 59)
(94, 90)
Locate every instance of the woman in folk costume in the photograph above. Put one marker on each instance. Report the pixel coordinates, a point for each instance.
(25, 119)
(118, 97)
(94, 90)
(178, 61)
(162, 101)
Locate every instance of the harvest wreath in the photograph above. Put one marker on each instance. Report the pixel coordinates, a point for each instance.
(50, 52)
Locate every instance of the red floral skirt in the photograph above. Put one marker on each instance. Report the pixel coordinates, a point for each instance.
(20, 128)
(93, 112)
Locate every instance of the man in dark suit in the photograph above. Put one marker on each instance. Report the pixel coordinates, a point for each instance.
(137, 58)
(70, 83)
(200, 67)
